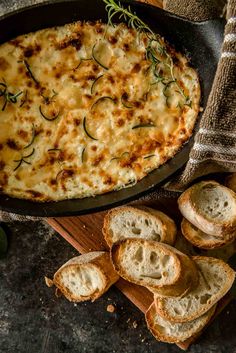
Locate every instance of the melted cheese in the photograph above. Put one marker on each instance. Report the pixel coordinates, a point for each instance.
(111, 120)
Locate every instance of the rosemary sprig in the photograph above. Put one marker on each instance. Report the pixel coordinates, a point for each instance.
(96, 59)
(143, 125)
(115, 8)
(23, 160)
(86, 131)
(101, 99)
(30, 71)
(32, 138)
(9, 97)
(94, 83)
(46, 117)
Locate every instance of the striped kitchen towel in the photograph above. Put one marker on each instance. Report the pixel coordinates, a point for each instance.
(214, 149)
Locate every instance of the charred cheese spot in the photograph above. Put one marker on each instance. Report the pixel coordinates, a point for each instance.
(78, 73)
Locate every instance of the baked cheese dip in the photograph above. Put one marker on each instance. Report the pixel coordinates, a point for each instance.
(88, 108)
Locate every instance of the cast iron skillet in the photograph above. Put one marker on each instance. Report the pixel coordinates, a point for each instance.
(200, 41)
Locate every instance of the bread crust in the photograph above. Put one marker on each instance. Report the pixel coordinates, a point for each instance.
(230, 182)
(168, 225)
(161, 302)
(153, 327)
(199, 238)
(192, 211)
(101, 262)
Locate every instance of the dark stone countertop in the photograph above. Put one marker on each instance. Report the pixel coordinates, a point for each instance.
(33, 320)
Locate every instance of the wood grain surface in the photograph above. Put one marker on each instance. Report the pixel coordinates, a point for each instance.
(84, 233)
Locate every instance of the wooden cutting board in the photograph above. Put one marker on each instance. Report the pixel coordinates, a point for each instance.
(84, 233)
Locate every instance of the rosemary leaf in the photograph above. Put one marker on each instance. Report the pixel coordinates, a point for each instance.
(30, 71)
(143, 125)
(86, 131)
(94, 83)
(32, 138)
(96, 59)
(46, 117)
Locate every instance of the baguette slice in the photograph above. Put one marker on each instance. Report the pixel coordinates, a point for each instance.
(230, 182)
(216, 278)
(166, 331)
(189, 279)
(211, 207)
(85, 277)
(138, 222)
(148, 263)
(202, 240)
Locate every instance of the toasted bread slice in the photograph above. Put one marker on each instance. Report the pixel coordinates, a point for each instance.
(149, 263)
(166, 331)
(216, 278)
(202, 240)
(138, 222)
(189, 279)
(85, 277)
(230, 182)
(211, 207)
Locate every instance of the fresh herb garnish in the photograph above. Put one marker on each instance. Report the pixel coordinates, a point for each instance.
(24, 100)
(46, 117)
(47, 99)
(94, 83)
(153, 54)
(30, 71)
(114, 158)
(150, 156)
(143, 125)
(134, 21)
(54, 150)
(101, 99)
(9, 97)
(81, 60)
(82, 154)
(86, 131)
(32, 138)
(124, 101)
(96, 59)
(23, 160)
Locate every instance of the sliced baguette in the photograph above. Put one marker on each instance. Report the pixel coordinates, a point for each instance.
(85, 277)
(230, 182)
(211, 207)
(166, 331)
(216, 278)
(202, 240)
(189, 279)
(138, 222)
(149, 263)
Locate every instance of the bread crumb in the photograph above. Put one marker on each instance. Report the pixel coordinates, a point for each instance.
(201, 109)
(48, 281)
(135, 324)
(128, 320)
(58, 293)
(111, 308)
